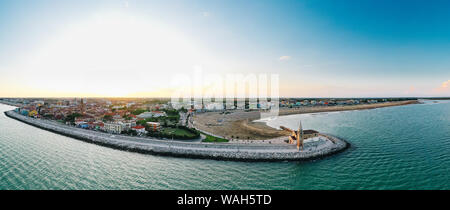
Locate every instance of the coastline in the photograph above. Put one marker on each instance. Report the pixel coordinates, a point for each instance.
(216, 151)
(243, 126)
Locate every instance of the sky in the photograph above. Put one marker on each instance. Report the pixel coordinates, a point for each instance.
(135, 48)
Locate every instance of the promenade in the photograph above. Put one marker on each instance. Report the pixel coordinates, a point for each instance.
(218, 151)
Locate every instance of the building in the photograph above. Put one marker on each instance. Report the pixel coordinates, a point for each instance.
(84, 125)
(82, 107)
(33, 113)
(116, 128)
(146, 115)
(139, 129)
(128, 124)
(305, 102)
(24, 112)
(214, 106)
(99, 126)
(159, 114)
(154, 126)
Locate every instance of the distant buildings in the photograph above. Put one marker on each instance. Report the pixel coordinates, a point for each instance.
(152, 114)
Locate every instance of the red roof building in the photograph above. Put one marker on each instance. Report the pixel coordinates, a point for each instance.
(138, 127)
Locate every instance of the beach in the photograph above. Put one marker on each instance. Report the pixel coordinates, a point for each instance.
(240, 125)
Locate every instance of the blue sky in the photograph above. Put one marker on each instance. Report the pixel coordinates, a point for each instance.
(319, 48)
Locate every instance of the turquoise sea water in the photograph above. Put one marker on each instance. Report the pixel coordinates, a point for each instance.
(405, 147)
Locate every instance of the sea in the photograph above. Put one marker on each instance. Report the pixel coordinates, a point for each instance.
(401, 147)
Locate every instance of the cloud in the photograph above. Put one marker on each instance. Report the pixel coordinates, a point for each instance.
(445, 86)
(411, 90)
(285, 58)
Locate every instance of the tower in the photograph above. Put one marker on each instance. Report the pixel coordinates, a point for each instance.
(82, 106)
(300, 136)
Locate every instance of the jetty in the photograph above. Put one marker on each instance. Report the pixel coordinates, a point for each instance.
(324, 145)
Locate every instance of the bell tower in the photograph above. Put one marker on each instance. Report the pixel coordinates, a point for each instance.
(300, 136)
(82, 106)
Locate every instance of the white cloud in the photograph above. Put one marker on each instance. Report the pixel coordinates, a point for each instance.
(285, 58)
(444, 87)
(445, 84)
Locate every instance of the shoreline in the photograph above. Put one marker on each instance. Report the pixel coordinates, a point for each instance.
(244, 127)
(216, 151)
(347, 108)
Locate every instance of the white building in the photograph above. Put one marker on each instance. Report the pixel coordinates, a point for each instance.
(116, 128)
(146, 115)
(127, 125)
(139, 129)
(214, 106)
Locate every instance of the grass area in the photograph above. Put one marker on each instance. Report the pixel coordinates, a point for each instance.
(210, 138)
(178, 132)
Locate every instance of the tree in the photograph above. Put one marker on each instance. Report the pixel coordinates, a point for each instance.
(107, 118)
(141, 122)
(138, 111)
(71, 117)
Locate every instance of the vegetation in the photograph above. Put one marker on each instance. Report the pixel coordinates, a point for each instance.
(183, 132)
(210, 138)
(171, 112)
(107, 118)
(176, 132)
(138, 111)
(142, 122)
(71, 118)
(182, 109)
(48, 116)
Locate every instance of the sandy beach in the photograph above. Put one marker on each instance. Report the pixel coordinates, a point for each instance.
(239, 124)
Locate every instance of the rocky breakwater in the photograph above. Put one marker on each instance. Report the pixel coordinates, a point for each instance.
(324, 146)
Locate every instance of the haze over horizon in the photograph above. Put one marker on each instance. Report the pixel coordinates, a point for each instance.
(117, 48)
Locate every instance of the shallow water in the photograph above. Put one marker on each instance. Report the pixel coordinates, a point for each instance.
(405, 147)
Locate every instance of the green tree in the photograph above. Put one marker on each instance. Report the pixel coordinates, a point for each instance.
(71, 117)
(107, 118)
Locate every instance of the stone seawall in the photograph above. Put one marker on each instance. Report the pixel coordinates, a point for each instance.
(218, 151)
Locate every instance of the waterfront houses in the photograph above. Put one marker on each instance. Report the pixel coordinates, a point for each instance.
(128, 116)
(115, 128)
(154, 126)
(139, 129)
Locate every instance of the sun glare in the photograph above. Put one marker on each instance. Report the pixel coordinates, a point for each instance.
(112, 54)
